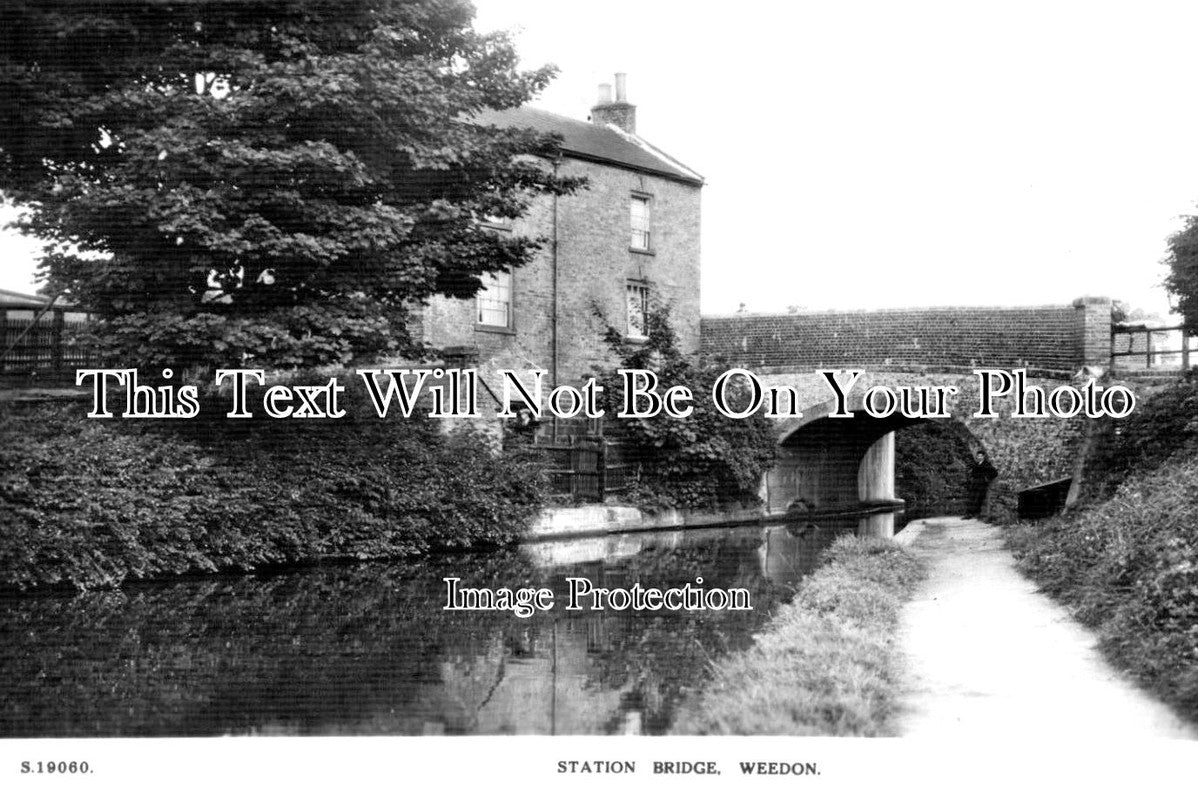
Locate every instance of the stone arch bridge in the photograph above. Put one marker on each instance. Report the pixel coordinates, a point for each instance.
(827, 464)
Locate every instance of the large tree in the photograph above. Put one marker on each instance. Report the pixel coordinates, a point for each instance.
(266, 182)
(1182, 280)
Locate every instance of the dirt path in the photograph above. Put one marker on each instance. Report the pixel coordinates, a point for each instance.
(992, 656)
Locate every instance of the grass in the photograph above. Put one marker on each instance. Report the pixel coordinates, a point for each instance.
(827, 664)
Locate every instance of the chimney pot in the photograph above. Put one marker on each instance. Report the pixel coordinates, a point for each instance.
(620, 113)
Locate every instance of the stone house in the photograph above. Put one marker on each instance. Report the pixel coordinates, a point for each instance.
(630, 236)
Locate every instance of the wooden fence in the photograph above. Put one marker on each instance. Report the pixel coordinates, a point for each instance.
(43, 345)
(1152, 347)
(585, 469)
(586, 461)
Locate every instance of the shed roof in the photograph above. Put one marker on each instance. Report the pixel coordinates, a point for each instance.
(11, 299)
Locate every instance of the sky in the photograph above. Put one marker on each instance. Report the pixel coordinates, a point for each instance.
(897, 154)
(893, 154)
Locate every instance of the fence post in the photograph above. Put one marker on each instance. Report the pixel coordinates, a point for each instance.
(601, 469)
(575, 463)
(56, 341)
(1185, 350)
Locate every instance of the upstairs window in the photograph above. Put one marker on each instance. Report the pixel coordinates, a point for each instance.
(495, 300)
(637, 300)
(640, 223)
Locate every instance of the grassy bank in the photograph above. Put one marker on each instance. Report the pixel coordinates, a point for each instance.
(93, 503)
(827, 663)
(1127, 561)
(1128, 567)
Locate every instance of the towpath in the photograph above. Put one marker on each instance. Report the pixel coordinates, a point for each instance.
(991, 655)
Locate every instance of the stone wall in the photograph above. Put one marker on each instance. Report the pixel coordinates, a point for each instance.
(1049, 339)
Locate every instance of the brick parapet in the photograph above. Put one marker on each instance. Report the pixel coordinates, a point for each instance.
(1049, 340)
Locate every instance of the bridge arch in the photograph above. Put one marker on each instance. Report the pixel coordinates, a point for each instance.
(828, 464)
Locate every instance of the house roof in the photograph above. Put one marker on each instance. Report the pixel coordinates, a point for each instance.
(605, 144)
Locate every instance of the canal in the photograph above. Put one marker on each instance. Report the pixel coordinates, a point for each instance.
(368, 648)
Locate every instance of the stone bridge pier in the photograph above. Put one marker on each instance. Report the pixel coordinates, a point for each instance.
(833, 465)
(835, 474)
(830, 465)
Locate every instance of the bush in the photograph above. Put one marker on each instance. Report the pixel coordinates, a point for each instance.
(702, 460)
(93, 503)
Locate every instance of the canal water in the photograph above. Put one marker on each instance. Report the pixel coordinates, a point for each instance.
(368, 648)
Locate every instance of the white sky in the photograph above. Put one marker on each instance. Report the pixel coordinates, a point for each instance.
(875, 154)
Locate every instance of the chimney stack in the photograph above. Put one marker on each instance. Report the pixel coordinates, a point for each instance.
(619, 112)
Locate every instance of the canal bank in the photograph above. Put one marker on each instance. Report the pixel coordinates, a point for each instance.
(566, 522)
(369, 648)
(933, 633)
(828, 663)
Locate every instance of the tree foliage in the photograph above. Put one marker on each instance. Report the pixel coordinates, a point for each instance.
(1182, 280)
(704, 459)
(96, 503)
(266, 182)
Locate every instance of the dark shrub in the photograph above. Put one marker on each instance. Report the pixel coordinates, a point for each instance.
(93, 502)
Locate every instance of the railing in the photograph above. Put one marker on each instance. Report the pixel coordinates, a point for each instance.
(1152, 347)
(30, 344)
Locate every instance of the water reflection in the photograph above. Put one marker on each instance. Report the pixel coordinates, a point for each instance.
(367, 649)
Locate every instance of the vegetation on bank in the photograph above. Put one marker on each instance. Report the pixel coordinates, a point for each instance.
(827, 665)
(93, 503)
(702, 460)
(1127, 560)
